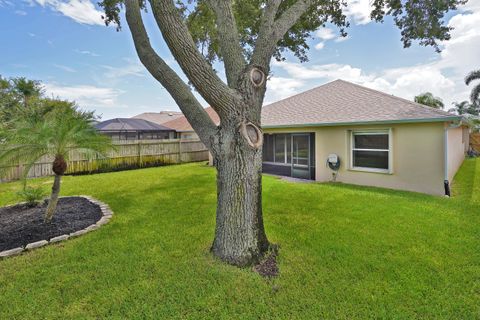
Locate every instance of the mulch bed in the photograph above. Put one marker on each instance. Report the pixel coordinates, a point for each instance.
(21, 225)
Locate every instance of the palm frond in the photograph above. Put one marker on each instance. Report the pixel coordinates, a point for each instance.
(475, 95)
(474, 75)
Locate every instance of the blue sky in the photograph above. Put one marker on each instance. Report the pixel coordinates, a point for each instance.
(65, 44)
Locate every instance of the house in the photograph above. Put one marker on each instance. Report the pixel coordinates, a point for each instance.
(381, 140)
(184, 129)
(134, 129)
(159, 117)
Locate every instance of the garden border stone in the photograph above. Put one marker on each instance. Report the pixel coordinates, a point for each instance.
(106, 216)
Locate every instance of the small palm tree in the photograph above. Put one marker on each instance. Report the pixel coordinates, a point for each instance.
(475, 95)
(55, 135)
(429, 100)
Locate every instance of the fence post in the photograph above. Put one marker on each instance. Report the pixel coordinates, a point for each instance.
(180, 149)
(139, 147)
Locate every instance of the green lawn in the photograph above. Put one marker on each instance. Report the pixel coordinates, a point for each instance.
(346, 252)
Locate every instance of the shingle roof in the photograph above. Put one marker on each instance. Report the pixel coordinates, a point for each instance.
(341, 102)
(182, 125)
(159, 117)
(128, 124)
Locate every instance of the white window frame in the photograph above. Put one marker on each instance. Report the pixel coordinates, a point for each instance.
(389, 150)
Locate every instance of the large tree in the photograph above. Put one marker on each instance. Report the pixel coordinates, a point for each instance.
(245, 35)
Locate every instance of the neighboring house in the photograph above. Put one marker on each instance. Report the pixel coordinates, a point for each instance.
(184, 129)
(159, 117)
(134, 129)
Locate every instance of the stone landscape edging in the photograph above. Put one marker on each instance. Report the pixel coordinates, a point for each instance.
(107, 214)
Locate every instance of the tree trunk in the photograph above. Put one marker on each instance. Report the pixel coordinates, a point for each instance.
(240, 237)
(52, 203)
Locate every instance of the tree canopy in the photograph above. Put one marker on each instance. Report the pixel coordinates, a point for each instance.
(418, 20)
(428, 99)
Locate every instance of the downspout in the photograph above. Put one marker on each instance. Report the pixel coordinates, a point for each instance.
(446, 182)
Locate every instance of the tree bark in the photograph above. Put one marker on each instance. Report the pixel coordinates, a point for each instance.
(52, 203)
(240, 237)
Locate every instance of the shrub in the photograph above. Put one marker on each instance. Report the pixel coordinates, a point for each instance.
(32, 196)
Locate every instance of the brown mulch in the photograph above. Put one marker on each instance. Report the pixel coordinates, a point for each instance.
(268, 267)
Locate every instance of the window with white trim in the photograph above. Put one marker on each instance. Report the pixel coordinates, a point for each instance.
(370, 150)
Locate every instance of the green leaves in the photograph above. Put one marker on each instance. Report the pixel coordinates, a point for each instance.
(428, 99)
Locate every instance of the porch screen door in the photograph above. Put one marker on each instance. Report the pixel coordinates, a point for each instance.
(301, 156)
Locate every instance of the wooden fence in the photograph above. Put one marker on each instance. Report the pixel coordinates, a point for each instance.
(475, 141)
(126, 155)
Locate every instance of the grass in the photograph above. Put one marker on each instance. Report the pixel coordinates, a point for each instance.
(347, 252)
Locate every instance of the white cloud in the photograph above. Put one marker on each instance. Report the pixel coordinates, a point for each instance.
(320, 45)
(341, 39)
(325, 34)
(358, 11)
(82, 11)
(4, 3)
(130, 69)
(281, 88)
(20, 12)
(85, 95)
(64, 68)
(325, 71)
(86, 52)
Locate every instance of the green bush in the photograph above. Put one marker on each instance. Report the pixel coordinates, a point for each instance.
(32, 196)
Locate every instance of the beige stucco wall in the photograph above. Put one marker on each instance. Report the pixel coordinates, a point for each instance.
(457, 144)
(417, 156)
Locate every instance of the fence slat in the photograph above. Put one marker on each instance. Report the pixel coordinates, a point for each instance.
(128, 155)
(475, 141)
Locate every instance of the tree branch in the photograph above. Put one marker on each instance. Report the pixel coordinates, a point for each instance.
(230, 49)
(274, 30)
(180, 91)
(183, 48)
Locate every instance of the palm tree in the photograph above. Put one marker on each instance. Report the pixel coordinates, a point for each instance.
(465, 107)
(430, 100)
(27, 89)
(475, 95)
(54, 135)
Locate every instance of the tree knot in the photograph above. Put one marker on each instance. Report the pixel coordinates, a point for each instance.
(252, 134)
